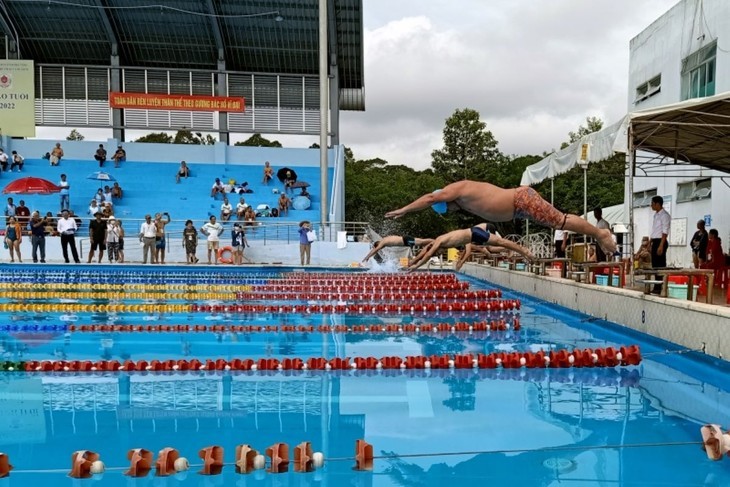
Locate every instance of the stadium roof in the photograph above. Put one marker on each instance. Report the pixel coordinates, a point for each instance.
(251, 36)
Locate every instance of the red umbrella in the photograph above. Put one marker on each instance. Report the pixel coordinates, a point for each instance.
(31, 186)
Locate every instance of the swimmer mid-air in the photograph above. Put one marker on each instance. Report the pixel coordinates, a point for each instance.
(396, 241)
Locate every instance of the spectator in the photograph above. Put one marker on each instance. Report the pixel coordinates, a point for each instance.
(65, 186)
(213, 231)
(241, 208)
(226, 210)
(67, 228)
(249, 217)
(38, 229)
(642, 257)
(715, 255)
(76, 218)
(243, 188)
(698, 244)
(160, 241)
(22, 215)
(238, 243)
(9, 209)
(97, 237)
(230, 186)
(659, 234)
(305, 193)
(602, 224)
(284, 203)
(99, 196)
(18, 161)
(305, 244)
(190, 242)
(116, 191)
(50, 224)
(268, 173)
(183, 172)
(100, 155)
(120, 250)
(13, 237)
(107, 209)
(112, 240)
(147, 237)
(289, 180)
(56, 155)
(561, 241)
(94, 208)
(3, 160)
(107, 193)
(119, 156)
(216, 188)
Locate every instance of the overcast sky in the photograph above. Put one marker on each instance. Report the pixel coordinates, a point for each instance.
(534, 69)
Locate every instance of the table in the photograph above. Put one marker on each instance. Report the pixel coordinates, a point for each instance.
(592, 267)
(543, 263)
(690, 274)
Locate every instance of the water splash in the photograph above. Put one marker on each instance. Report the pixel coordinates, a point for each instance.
(386, 267)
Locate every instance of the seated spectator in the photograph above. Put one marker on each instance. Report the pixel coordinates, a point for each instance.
(56, 154)
(230, 186)
(241, 208)
(99, 196)
(642, 257)
(94, 208)
(107, 193)
(3, 160)
(107, 209)
(289, 179)
(119, 156)
(116, 191)
(226, 210)
(22, 214)
(305, 193)
(18, 161)
(268, 173)
(249, 217)
(100, 155)
(183, 172)
(243, 188)
(284, 203)
(76, 218)
(216, 188)
(51, 223)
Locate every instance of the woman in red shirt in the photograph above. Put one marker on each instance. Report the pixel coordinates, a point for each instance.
(715, 257)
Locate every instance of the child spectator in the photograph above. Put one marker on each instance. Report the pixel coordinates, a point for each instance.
(183, 172)
(3, 160)
(112, 240)
(190, 242)
(119, 156)
(56, 155)
(18, 161)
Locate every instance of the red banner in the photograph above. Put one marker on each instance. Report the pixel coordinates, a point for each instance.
(191, 103)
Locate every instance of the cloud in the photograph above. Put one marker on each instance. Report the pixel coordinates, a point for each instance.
(534, 71)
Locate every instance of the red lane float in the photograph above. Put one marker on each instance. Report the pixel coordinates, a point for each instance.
(212, 457)
(363, 455)
(5, 466)
(245, 458)
(278, 454)
(140, 462)
(84, 464)
(715, 442)
(600, 357)
(329, 295)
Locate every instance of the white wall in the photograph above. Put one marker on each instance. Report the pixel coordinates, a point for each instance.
(660, 49)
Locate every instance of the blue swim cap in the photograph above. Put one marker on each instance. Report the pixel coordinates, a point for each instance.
(439, 207)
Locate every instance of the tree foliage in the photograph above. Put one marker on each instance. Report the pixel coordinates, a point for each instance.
(75, 135)
(256, 140)
(469, 148)
(181, 137)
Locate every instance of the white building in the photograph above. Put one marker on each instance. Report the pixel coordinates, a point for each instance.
(684, 54)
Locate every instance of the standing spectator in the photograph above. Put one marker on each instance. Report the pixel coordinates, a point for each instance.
(112, 240)
(268, 173)
(3, 160)
(238, 243)
(18, 161)
(226, 210)
(147, 237)
(56, 155)
(305, 244)
(38, 227)
(698, 244)
(284, 203)
(213, 231)
(9, 210)
(659, 233)
(116, 191)
(67, 228)
(13, 237)
(715, 257)
(183, 172)
(100, 155)
(119, 156)
(97, 237)
(22, 215)
(216, 188)
(241, 208)
(120, 252)
(190, 242)
(160, 241)
(65, 186)
(602, 224)
(560, 240)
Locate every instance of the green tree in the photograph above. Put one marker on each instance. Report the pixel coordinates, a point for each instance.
(593, 124)
(468, 148)
(75, 135)
(256, 140)
(197, 138)
(156, 138)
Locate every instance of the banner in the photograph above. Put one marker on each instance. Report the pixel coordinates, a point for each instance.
(17, 98)
(190, 103)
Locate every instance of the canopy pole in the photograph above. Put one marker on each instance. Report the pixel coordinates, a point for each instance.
(632, 171)
(323, 115)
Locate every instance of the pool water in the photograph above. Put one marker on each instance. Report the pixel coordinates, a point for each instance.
(635, 425)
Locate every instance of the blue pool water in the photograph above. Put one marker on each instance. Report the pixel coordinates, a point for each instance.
(634, 425)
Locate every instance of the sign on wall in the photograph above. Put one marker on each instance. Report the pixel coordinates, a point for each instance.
(17, 98)
(190, 103)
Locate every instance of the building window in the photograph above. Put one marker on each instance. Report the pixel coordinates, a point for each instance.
(698, 73)
(648, 89)
(694, 190)
(643, 198)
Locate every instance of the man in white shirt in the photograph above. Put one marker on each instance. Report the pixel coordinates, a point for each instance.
(67, 228)
(241, 208)
(226, 210)
(560, 242)
(147, 237)
(213, 231)
(601, 224)
(216, 188)
(3, 160)
(659, 234)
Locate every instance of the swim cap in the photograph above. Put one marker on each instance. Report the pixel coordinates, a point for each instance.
(439, 207)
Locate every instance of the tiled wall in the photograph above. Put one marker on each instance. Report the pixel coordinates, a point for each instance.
(686, 323)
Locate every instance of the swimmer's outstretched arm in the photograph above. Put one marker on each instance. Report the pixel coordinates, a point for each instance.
(374, 250)
(444, 196)
(451, 239)
(463, 257)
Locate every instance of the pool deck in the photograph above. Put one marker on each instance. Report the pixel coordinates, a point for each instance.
(694, 325)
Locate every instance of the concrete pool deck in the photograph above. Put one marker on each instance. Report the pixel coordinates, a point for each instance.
(690, 324)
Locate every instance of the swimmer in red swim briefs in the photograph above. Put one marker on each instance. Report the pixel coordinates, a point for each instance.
(498, 205)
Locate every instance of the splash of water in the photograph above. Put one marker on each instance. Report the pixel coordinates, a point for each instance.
(388, 266)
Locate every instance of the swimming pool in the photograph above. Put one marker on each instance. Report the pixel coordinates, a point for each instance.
(441, 425)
